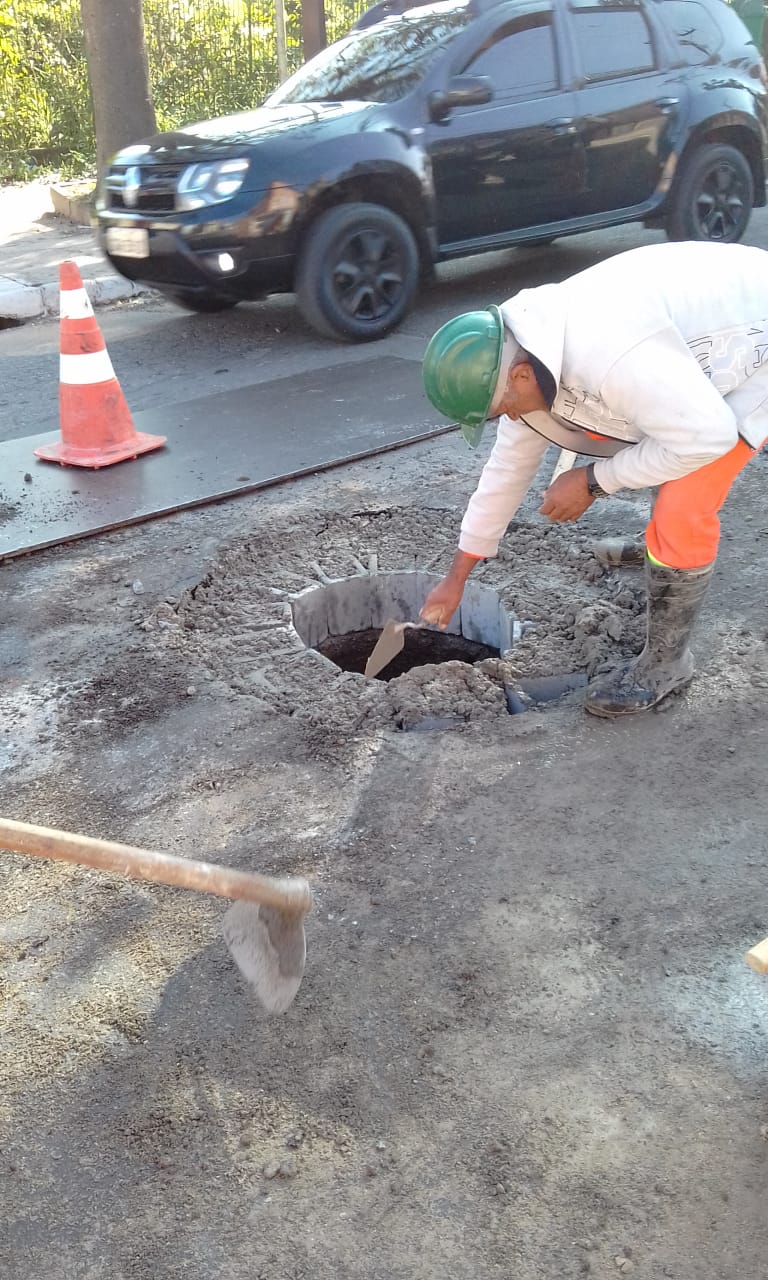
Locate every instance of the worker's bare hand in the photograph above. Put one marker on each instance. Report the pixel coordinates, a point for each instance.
(442, 602)
(568, 498)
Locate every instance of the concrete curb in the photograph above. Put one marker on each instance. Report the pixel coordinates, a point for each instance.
(19, 301)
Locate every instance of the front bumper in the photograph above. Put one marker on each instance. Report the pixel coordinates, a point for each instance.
(244, 255)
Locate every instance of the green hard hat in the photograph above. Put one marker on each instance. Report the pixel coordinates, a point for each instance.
(461, 367)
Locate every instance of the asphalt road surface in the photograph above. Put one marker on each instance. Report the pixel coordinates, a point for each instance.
(164, 356)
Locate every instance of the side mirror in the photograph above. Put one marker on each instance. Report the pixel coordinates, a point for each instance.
(461, 91)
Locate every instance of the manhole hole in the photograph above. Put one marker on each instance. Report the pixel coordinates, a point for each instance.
(422, 646)
(342, 620)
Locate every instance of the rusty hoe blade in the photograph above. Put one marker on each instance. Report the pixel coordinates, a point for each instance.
(269, 948)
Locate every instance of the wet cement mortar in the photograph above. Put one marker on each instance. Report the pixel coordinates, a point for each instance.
(235, 625)
(526, 1044)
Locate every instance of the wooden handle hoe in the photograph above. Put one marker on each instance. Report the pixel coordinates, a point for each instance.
(758, 957)
(264, 930)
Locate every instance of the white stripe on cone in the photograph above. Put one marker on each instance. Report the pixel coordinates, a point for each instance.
(85, 370)
(74, 304)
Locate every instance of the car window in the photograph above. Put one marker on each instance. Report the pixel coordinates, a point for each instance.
(519, 57)
(378, 64)
(695, 31)
(612, 42)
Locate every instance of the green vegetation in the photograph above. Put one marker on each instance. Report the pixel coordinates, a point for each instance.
(45, 113)
(206, 57)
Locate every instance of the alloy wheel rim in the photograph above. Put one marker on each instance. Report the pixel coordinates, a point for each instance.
(368, 275)
(721, 203)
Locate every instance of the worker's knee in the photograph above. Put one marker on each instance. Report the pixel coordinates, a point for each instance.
(683, 539)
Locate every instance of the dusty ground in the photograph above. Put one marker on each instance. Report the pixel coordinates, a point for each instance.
(526, 1044)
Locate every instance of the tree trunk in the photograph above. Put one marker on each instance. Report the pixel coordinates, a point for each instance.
(313, 35)
(119, 74)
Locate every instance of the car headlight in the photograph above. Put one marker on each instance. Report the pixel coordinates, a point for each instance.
(210, 183)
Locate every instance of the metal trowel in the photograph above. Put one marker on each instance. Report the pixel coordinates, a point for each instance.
(389, 644)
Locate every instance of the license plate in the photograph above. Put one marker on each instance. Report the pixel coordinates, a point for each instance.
(128, 242)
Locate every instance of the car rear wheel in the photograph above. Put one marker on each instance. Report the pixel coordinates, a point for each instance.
(204, 303)
(358, 272)
(713, 196)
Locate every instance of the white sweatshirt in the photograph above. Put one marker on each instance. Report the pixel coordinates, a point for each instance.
(664, 349)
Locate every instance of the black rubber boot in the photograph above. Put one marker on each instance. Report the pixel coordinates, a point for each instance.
(617, 553)
(675, 597)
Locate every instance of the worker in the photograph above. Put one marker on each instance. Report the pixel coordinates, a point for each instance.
(654, 364)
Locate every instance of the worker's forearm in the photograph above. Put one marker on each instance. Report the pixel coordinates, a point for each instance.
(506, 478)
(463, 564)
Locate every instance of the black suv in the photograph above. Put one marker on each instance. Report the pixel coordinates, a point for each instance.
(441, 130)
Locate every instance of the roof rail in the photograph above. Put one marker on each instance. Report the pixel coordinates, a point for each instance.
(388, 8)
(385, 9)
(482, 6)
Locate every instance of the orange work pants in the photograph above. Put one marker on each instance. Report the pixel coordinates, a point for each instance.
(684, 531)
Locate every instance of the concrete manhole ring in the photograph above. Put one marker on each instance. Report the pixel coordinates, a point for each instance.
(339, 620)
(343, 617)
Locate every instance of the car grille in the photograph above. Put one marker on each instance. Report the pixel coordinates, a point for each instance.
(143, 188)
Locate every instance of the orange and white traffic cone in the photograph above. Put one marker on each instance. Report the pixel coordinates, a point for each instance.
(96, 424)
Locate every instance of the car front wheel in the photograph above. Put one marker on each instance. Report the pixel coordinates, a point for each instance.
(713, 196)
(358, 272)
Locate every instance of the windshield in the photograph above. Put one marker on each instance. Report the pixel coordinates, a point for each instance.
(380, 64)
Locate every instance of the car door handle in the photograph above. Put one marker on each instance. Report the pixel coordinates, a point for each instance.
(667, 104)
(565, 124)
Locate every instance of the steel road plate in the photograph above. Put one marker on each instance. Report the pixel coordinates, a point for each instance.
(236, 441)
